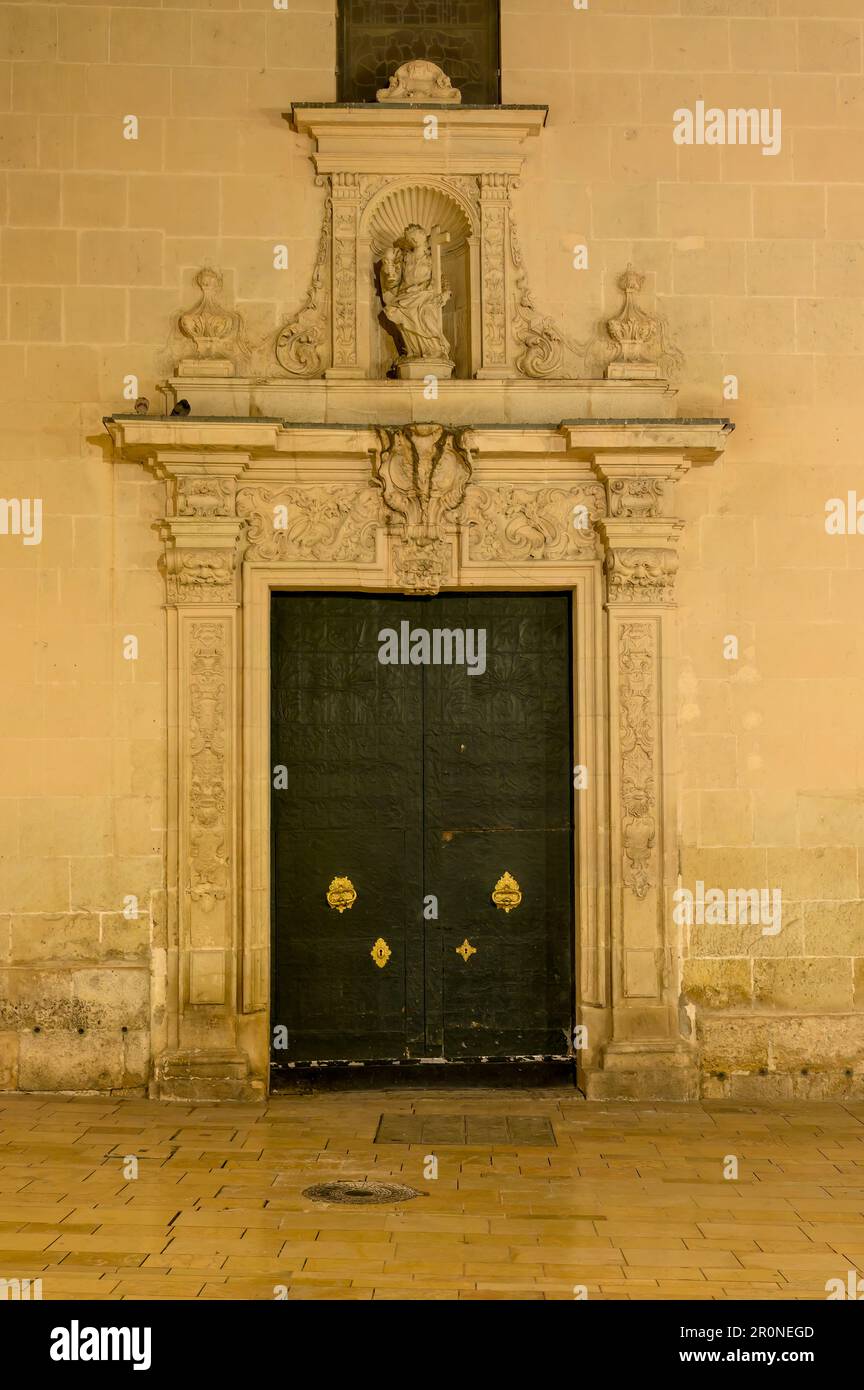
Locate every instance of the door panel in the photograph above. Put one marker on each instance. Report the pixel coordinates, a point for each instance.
(419, 780)
(348, 731)
(497, 799)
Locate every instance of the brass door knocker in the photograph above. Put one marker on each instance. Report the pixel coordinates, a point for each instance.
(506, 894)
(341, 894)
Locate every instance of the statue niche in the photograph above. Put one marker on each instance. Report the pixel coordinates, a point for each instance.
(422, 256)
(413, 295)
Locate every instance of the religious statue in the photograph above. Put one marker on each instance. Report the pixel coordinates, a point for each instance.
(414, 298)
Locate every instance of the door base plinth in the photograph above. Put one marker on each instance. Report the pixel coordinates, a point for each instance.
(645, 1071)
(202, 1075)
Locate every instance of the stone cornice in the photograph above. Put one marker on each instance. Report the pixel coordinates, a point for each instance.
(661, 449)
(613, 451)
(388, 138)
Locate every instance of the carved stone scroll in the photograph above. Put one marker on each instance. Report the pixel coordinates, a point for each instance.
(522, 523)
(301, 345)
(544, 344)
(330, 522)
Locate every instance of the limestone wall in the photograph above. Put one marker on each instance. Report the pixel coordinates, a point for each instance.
(756, 261)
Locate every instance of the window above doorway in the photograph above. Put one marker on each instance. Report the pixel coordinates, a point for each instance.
(461, 36)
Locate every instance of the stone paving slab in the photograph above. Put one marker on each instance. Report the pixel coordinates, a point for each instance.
(632, 1201)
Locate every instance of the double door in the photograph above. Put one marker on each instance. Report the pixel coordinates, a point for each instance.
(422, 826)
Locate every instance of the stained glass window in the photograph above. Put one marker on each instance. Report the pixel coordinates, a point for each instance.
(461, 36)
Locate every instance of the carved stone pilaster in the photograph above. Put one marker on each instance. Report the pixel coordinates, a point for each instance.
(637, 740)
(641, 560)
(345, 196)
(494, 227)
(203, 547)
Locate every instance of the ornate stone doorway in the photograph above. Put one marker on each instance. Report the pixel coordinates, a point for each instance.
(511, 528)
(502, 469)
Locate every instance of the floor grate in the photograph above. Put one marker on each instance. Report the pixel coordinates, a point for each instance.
(469, 1131)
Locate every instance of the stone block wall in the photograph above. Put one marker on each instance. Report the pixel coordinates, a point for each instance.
(757, 263)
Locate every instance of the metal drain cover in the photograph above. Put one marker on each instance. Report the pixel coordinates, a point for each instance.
(360, 1193)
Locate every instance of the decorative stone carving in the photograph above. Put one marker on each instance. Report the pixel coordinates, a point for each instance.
(218, 333)
(414, 297)
(345, 193)
(422, 472)
(370, 184)
(200, 576)
(637, 575)
(444, 203)
(637, 740)
(320, 523)
(635, 497)
(421, 568)
(301, 343)
(494, 202)
(203, 497)
(420, 83)
(639, 337)
(521, 523)
(543, 342)
(208, 864)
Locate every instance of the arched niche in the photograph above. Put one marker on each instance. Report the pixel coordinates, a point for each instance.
(431, 205)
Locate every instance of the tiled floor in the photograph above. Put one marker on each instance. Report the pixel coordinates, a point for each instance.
(631, 1203)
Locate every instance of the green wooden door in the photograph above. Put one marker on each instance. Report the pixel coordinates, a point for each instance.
(423, 785)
